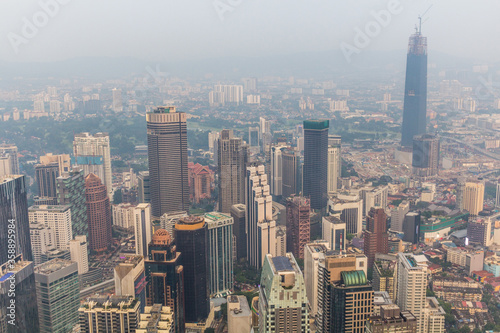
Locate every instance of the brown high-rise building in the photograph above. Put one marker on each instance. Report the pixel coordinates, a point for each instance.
(168, 161)
(200, 182)
(298, 227)
(46, 175)
(98, 212)
(376, 238)
(232, 159)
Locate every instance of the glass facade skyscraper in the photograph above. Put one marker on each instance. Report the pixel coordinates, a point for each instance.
(315, 177)
(415, 100)
(191, 238)
(14, 216)
(71, 191)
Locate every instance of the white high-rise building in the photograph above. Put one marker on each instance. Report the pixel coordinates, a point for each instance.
(350, 210)
(223, 94)
(57, 218)
(54, 106)
(260, 226)
(412, 286)
(117, 100)
(334, 163)
(79, 253)
(92, 152)
(42, 240)
(312, 255)
(398, 215)
(142, 228)
(433, 316)
(68, 104)
(334, 232)
(123, 215)
(277, 169)
(374, 197)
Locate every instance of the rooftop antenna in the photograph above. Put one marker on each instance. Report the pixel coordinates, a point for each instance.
(419, 29)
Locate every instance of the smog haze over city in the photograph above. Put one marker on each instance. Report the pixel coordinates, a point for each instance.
(250, 166)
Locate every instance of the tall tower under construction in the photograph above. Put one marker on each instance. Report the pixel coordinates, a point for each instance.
(415, 102)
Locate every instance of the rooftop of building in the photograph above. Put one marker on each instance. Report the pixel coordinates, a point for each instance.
(216, 217)
(333, 219)
(130, 260)
(156, 317)
(9, 269)
(49, 208)
(109, 302)
(8, 178)
(238, 305)
(316, 124)
(381, 298)
(52, 266)
(353, 278)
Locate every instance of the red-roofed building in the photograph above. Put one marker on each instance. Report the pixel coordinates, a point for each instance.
(435, 268)
(481, 275)
(200, 182)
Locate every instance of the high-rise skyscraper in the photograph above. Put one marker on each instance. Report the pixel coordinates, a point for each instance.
(425, 161)
(375, 235)
(479, 230)
(46, 175)
(98, 213)
(42, 240)
(117, 100)
(57, 218)
(412, 286)
(334, 232)
(253, 139)
(92, 153)
(78, 249)
(14, 215)
(282, 296)
(298, 225)
(165, 276)
(334, 163)
(142, 228)
(191, 238)
(120, 312)
(58, 295)
(143, 187)
(261, 228)
(220, 252)
(470, 196)
(398, 215)
(331, 266)
(411, 227)
(276, 181)
(292, 180)
(415, 100)
(238, 213)
(130, 278)
(232, 158)
(63, 161)
(11, 150)
(349, 210)
(168, 161)
(71, 191)
(315, 170)
(19, 308)
(351, 302)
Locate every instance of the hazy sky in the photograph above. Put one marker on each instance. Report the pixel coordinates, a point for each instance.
(185, 29)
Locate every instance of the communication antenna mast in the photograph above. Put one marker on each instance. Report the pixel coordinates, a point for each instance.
(419, 29)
